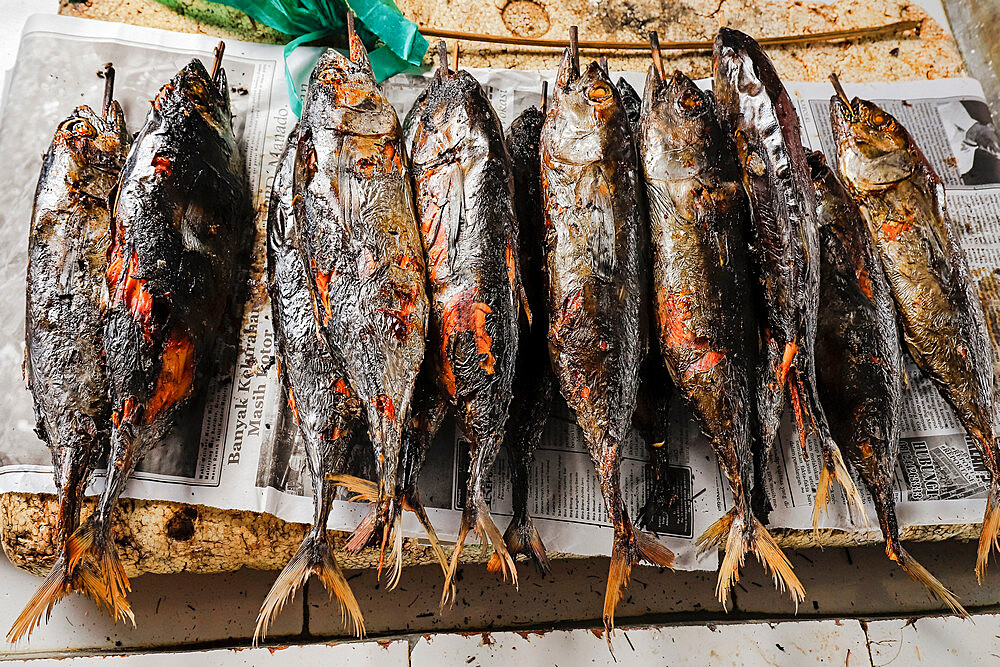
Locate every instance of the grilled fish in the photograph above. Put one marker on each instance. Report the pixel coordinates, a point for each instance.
(64, 359)
(534, 381)
(464, 198)
(323, 405)
(859, 359)
(755, 110)
(597, 286)
(182, 227)
(706, 323)
(354, 210)
(945, 332)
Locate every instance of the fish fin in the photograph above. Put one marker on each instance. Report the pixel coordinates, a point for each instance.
(392, 534)
(833, 469)
(521, 537)
(991, 525)
(364, 490)
(920, 574)
(629, 547)
(60, 582)
(362, 535)
(412, 502)
(448, 596)
(91, 546)
(774, 560)
(314, 556)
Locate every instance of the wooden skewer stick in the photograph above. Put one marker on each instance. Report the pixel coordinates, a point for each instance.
(350, 25)
(574, 46)
(835, 80)
(217, 63)
(109, 89)
(443, 56)
(699, 45)
(545, 95)
(654, 48)
(454, 60)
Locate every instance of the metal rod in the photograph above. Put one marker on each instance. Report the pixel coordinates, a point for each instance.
(654, 49)
(217, 63)
(835, 80)
(109, 89)
(701, 45)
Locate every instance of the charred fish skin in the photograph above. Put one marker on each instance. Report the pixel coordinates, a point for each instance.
(756, 111)
(323, 405)
(942, 318)
(631, 105)
(463, 189)
(534, 381)
(859, 358)
(597, 285)
(354, 208)
(182, 222)
(64, 359)
(705, 318)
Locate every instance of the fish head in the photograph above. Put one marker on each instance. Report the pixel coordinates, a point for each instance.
(679, 127)
(873, 148)
(93, 141)
(194, 88)
(448, 120)
(582, 105)
(345, 89)
(740, 68)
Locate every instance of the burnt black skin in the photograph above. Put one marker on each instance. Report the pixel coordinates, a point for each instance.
(362, 245)
(597, 285)
(652, 409)
(182, 224)
(937, 303)
(858, 354)
(463, 191)
(859, 358)
(67, 252)
(755, 110)
(325, 408)
(534, 380)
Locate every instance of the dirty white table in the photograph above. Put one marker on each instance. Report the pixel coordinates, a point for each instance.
(666, 618)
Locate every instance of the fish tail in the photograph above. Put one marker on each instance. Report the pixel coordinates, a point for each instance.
(920, 574)
(314, 557)
(630, 546)
(834, 469)
(60, 582)
(448, 596)
(91, 550)
(392, 535)
(741, 536)
(522, 538)
(991, 526)
(488, 531)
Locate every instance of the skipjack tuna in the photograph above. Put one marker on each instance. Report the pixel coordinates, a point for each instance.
(323, 405)
(942, 317)
(534, 381)
(859, 360)
(597, 285)
(464, 199)
(64, 355)
(182, 227)
(354, 212)
(707, 326)
(755, 110)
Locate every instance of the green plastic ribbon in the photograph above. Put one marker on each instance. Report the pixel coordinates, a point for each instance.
(377, 21)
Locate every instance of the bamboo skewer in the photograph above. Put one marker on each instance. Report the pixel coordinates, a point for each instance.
(696, 45)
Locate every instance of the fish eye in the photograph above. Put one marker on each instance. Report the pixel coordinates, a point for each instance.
(599, 92)
(689, 101)
(79, 127)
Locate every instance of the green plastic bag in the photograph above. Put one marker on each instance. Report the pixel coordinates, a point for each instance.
(402, 45)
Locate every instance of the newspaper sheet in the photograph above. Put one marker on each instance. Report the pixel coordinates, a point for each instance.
(243, 452)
